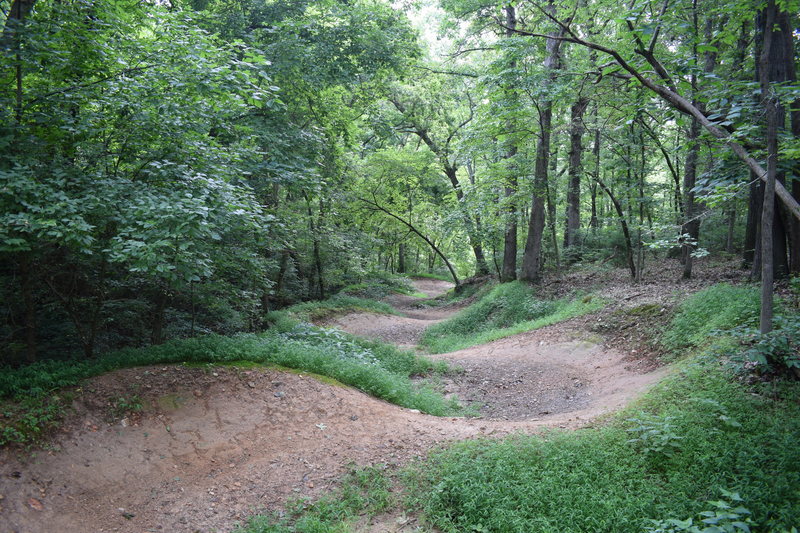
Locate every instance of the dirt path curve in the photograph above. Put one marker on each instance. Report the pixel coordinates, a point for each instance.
(404, 331)
(216, 445)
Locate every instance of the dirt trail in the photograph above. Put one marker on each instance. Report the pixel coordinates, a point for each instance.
(214, 446)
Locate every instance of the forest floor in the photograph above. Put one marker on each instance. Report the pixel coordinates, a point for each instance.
(212, 446)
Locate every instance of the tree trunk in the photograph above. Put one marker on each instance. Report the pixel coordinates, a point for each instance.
(509, 270)
(691, 227)
(593, 221)
(772, 70)
(573, 215)
(401, 258)
(533, 244)
(624, 224)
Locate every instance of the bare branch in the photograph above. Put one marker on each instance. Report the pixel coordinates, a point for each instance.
(448, 72)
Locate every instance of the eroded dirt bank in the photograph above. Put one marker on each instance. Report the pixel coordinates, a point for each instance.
(213, 446)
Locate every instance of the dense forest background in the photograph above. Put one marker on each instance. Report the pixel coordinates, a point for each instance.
(174, 168)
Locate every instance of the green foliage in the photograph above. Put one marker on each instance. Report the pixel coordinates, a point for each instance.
(507, 309)
(378, 285)
(592, 480)
(776, 351)
(339, 304)
(364, 491)
(655, 437)
(729, 516)
(718, 308)
(123, 405)
(27, 419)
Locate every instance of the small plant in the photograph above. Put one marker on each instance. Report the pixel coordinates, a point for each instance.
(25, 421)
(727, 516)
(776, 351)
(655, 436)
(125, 405)
(363, 492)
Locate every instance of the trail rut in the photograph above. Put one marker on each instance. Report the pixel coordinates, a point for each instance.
(214, 446)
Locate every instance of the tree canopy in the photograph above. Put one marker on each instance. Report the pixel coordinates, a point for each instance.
(174, 168)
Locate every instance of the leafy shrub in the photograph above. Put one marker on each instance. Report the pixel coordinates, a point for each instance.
(728, 516)
(26, 420)
(776, 351)
(718, 308)
(655, 437)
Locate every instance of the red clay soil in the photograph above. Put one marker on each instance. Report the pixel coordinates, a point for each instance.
(214, 446)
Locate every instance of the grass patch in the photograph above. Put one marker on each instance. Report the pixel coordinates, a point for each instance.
(364, 492)
(426, 275)
(378, 369)
(376, 285)
(505, 310)
(694, 436)
(339, 304)
(717, 308)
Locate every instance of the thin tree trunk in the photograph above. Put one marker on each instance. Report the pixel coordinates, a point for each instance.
(410, 226)
(772, 69)
(593, 221)
(731, 228)
(623, 223)
(401, 258)
(691, 227)
(752, 231)
(551, 223)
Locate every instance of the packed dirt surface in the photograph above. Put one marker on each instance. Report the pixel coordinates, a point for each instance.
(211, 446)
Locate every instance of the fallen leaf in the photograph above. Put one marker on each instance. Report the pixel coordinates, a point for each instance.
(35, 504)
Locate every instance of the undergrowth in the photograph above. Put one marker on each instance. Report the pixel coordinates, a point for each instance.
(701, 452)
(373, 367)
(717, 308)
(697, 434)
(339, 304)
(505, 310)
(363, 493)
(377, 285)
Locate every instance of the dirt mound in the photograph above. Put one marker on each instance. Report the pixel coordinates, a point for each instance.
(211, 446)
